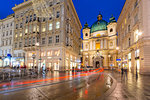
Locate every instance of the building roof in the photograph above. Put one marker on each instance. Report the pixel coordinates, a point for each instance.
(99, 25)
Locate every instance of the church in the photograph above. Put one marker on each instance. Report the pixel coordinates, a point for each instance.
(100, 43)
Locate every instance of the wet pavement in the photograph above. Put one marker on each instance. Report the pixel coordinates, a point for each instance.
(130, 88)
(58, 86)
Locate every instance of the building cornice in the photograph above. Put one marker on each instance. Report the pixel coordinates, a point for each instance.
(22, 5)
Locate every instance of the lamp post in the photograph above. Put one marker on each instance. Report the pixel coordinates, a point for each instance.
(33, 56)
(38, 45)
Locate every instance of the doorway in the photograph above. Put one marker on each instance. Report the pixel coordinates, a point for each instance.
(97, 64)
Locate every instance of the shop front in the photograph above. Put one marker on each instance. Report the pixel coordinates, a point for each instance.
(18, 61)
(1, 63)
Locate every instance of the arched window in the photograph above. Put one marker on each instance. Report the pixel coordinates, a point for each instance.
(111, 30)
(86, 34)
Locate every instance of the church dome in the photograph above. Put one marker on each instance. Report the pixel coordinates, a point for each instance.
(99, 25)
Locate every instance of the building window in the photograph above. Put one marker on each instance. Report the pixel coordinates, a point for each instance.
(111, 30)
(34, 18)
(50, 18)
(30, 28)
(57, 25)
(29, 41)
(20, 34)
(20, 25)
(86, 34)
(43, 41)
(10, 42)
(3, 34)
(6, 42)
(50, 40)
(135, 18)
(50, 26)
(16, 26)
(15, 45)
(57, 14)
(10, 32)
(38, 29)
(50, 4)
(26, 30)
(26, 19)
(30, 18)
(57, 39)
(43, 28)
(26, 41)
(97, 46)
(137, 53)
(33, 41)
(7, 33)
(34, 28)
(111, 58)
(128, 28)
(129, 41)
(20, 44)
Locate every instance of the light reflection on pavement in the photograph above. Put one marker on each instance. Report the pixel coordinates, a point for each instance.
(61, 86)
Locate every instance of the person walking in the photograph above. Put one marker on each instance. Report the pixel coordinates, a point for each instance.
(125, 70)
(122, 72)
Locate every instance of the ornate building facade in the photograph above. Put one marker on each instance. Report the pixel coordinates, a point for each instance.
(6, 40)
(99, 43)
(134, 36)
(53, 41)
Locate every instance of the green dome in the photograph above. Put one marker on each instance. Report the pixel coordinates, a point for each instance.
(99, 25)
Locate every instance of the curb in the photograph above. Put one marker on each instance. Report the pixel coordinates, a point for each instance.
(108, 92)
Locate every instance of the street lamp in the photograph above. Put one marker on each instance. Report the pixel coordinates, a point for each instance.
(38, 45)
(117, 48)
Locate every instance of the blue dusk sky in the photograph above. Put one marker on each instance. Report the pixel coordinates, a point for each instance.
(87, 9)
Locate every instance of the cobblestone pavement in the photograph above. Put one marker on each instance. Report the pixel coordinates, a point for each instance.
(130, 88)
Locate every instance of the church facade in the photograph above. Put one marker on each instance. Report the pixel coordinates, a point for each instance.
(100, 43)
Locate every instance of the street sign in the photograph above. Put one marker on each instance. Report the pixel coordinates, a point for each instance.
(33, 56)
(9, 55)
(118, 59)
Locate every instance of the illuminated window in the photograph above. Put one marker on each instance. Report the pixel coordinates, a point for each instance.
(57, 25)
(50, 53)
(97, 46)
(129, 56)
(26, 30)
(16, 35)
(37, 28)
(137, 53)
(50, 26)
(43, 28)
(34, 28)
(125, 21)
(98, 35)
(20, 34)
(30, 28)
(57, 53)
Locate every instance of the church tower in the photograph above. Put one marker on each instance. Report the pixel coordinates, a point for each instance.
(86, 31)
